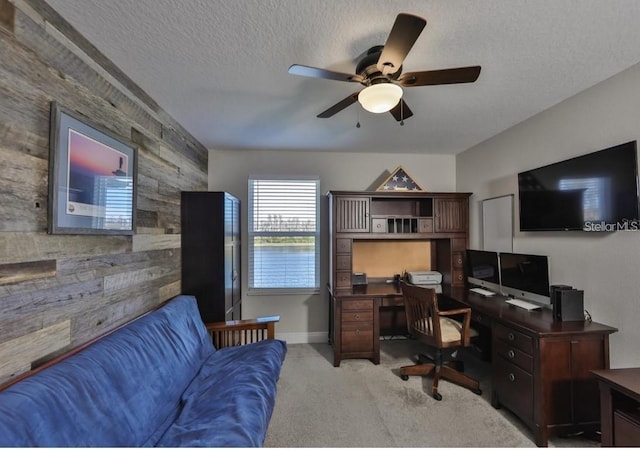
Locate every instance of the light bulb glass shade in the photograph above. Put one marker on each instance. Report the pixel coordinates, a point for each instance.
(380, 98)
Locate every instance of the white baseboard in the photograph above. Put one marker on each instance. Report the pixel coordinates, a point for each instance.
(304, 338)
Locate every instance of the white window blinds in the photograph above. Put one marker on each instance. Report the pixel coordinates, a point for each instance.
(284, 234)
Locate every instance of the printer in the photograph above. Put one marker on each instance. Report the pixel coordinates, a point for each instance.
(425, 278)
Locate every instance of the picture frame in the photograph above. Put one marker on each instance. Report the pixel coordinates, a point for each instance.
(92, 177)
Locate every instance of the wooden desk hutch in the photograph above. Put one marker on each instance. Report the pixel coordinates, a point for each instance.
(440, 219)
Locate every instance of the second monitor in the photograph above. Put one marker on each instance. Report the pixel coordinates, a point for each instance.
(525, 276)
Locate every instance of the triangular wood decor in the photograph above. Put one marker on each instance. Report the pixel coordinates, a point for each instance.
(399, 180)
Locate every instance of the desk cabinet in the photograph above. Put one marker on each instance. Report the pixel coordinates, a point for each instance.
(620, 406)
(545, 378)
(356, 329)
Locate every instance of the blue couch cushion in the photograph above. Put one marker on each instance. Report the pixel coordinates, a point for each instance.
(231, 401)
(124, 390)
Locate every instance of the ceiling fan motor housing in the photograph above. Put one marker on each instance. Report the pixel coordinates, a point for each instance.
(367, 68)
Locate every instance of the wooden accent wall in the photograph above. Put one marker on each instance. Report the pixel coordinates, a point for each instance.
(58, 291)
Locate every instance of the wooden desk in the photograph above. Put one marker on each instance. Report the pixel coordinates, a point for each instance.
(540, 367)
(620, 406)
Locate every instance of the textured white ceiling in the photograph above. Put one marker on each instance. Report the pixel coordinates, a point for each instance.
(219, 67)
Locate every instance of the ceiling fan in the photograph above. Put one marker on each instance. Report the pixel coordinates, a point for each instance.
(380, 71)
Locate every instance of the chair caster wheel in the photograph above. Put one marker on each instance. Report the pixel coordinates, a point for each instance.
(437, 396)
(404, 377)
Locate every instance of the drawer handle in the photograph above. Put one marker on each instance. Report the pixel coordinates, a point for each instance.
(357, 332)
(459, 277)
(511, 336)
(512, 377)
(479, 317)
(357, 316)
(511, 354)
(459, 261)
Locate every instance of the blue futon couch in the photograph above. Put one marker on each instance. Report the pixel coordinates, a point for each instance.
(157, 381)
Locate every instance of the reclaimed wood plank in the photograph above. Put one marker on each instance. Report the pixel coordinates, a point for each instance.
(17, 247)
(133, 278)
(16, 355)
(23, 190)
(103, 318)
(7, 16)
(25, 271)
(10, 329)
(147, 242)
(169, 291)
(60, 303)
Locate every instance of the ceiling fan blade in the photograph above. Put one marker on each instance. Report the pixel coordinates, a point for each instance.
(440, 77)
(403, 35)
(344, 103)
(401, 111)
(308, 71)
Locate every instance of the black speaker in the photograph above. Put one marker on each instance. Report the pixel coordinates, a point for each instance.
(568, 304)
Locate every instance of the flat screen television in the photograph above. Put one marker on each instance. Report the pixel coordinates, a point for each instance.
(593, 192)
(525, 276)
(482, 269)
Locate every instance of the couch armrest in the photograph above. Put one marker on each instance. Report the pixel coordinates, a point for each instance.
(240, 332)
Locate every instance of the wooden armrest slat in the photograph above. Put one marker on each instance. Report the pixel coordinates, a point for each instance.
(241, 332)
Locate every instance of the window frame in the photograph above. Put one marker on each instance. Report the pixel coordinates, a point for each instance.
(251, 235)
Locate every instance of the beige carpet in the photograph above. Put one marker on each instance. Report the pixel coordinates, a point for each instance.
(360, 404)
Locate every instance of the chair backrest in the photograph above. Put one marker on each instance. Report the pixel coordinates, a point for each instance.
(421, 309)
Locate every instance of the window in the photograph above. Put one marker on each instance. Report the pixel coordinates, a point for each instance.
(284, 234)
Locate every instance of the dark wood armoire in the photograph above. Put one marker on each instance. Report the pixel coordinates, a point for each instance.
(211, 253)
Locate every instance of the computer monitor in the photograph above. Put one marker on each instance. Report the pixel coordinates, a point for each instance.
(483, 270)
(525, 276)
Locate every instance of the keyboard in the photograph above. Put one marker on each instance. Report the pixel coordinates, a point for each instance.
(522, 304)
(483, 292)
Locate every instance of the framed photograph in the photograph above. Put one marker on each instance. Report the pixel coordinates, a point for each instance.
(92, 177)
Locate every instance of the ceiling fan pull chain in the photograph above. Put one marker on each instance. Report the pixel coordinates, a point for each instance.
(358, 118)
(401, 113)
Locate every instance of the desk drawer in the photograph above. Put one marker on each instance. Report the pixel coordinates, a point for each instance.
(457, 260)
(357, 337)
(514, 388)
(343, 279)
(343, 262)
(392, 301)
(514, 338)
(358, 305)
(357, 316)
(484, 320)
(514, 355)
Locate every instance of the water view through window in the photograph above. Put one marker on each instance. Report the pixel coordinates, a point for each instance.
(281, 263)
(283, 234)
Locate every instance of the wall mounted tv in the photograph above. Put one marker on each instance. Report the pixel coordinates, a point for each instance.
(592, 192)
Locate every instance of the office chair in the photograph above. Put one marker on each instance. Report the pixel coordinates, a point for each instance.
(443, 334)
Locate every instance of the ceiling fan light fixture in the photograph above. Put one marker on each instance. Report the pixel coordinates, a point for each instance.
(380, 98)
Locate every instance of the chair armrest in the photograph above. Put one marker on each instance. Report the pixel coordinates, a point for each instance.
(455, 311)
(241, 332)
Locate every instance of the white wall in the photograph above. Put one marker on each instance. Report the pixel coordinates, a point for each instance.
(605, 265)
(305, 318)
